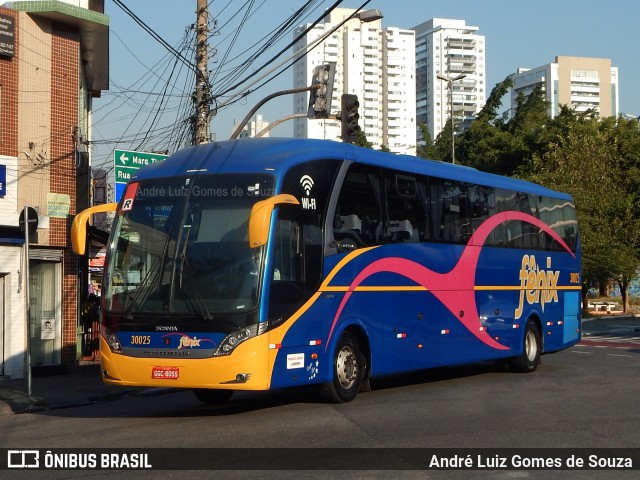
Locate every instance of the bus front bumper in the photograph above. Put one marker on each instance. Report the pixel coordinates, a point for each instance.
(247, 368)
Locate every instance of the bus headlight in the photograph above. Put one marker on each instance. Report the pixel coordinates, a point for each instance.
(111, 339)
(234, 339)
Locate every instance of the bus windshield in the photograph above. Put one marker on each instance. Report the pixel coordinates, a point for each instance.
(180, 246)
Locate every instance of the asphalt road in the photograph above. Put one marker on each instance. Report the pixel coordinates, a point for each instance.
(585, 397)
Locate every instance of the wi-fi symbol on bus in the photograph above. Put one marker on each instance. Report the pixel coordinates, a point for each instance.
(307, 182)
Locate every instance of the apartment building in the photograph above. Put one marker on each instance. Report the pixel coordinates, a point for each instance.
(53, 62)
(581, 83)
(256, 126)
(448, 48)
(376, 64)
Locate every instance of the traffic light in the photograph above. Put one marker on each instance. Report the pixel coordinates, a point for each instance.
(350, 116)
(321, 91)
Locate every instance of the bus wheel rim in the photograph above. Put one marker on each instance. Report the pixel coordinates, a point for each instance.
(531, 346)
(347, 367)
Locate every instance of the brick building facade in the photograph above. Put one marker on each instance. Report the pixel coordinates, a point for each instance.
(53, 62)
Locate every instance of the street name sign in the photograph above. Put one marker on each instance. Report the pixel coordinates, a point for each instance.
(127, 163)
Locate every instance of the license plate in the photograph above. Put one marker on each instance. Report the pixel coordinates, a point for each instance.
(165, 373)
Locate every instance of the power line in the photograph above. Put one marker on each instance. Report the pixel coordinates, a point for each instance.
(174, 99)
(297, 56)
(275, 57)
(157, 37)
(267, 42)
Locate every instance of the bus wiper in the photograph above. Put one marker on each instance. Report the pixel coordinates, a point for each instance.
(202, 308)
(165, 254)
(142, 292)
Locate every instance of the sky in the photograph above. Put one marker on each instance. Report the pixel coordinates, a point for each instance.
(518, 34)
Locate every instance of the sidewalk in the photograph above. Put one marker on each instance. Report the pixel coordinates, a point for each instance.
(83, 385)
(611, 325)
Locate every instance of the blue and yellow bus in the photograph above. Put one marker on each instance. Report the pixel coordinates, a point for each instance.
(270, 263)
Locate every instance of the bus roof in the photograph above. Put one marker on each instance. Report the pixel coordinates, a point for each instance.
(279, 154)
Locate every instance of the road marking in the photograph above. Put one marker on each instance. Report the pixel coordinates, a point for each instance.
(611, 342)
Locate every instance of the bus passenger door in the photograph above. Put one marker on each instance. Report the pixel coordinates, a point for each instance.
(298, 245)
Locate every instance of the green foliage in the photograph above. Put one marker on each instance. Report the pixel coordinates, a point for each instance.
(489, 111)
(442, 144)
(361, 140)
(488, 144)
(427, 150)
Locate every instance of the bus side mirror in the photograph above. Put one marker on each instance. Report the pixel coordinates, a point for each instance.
(260, 219)
(79, 226)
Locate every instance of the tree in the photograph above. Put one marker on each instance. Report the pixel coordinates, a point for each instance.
(585, 163)
(487, 143)
(361, 140)
(442, 145)
(489, 112)
(427, 149)
(624, 139)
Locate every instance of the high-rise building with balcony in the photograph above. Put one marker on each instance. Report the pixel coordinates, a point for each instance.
(578, 82)
(373, 63)
(448, 48)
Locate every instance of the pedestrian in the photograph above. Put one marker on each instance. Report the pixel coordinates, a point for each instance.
(88, 316)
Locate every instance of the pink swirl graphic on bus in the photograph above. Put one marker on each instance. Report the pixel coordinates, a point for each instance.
(454, 289)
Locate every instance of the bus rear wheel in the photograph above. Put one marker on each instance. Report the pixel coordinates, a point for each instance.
(211, 396)
(349, 367)
(529, 360)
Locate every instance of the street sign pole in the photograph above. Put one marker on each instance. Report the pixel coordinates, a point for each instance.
(27, 227)
(30, 225)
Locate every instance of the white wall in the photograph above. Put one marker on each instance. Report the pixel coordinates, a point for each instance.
(9, 203)
(13, 334)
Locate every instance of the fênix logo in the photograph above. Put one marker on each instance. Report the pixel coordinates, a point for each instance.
(188, 342)
(537, 286)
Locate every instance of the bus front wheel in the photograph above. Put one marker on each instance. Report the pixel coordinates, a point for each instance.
(529, 360)
(211, 396)
(349, 368)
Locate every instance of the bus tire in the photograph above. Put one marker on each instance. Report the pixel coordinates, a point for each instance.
(529, 360)
(349, 367)
(212, 396)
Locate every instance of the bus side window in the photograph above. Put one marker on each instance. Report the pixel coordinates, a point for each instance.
(287, 286)
(479, 203)
(560, 215)
(406, 209)
(358, 213)
(426, 235)
(298, 241)
(450, 210)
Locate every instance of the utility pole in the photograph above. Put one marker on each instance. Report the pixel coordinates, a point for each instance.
(202, 95)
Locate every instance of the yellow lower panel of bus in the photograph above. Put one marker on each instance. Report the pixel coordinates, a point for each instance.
(247, 368)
